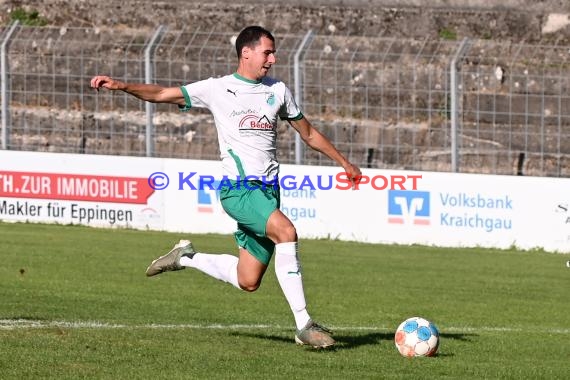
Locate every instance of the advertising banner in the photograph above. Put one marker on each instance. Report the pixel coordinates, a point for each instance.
(103, 191)
(400, 207)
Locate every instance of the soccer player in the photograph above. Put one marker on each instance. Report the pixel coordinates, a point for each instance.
(245, 106)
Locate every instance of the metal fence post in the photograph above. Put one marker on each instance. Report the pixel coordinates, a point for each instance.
(149, 75)
(454, 106)
(298, 91)
(4, 86)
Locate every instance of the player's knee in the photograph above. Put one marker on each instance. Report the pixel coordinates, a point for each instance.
(248, 286)
(249, 283)
(287, 234)
(280, 229)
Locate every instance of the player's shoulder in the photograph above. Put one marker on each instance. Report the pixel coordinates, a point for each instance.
(221, 79)
(220, 82)
(275, 85)
(271, 82)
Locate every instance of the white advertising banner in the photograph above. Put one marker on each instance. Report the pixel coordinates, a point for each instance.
(401, 207)
(90, 190)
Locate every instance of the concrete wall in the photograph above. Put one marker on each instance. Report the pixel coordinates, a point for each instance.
(527, 5)
(514, 20)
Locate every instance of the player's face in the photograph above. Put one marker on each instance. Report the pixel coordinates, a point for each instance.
(262, 57)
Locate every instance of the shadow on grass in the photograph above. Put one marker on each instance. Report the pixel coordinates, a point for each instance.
(347, 342)
(463, 337)
(343, 341)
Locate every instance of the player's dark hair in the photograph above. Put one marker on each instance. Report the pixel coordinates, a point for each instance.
(250, 37)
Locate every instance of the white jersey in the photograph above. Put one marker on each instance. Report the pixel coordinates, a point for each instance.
(245, 113)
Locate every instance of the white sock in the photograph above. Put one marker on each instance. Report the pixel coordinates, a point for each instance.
(222, 267)
(288, 271)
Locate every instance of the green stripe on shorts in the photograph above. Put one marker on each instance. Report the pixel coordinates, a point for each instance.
(251, 204)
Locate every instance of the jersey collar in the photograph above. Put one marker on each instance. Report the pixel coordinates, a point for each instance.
(237, 76)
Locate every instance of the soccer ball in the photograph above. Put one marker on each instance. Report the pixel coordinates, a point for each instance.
(417, 336)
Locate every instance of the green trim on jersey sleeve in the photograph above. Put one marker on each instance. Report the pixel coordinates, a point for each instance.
(298, 117)
(238, 163)
(188, 104)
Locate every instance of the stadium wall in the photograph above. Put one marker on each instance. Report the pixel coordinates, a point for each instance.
(399, 207)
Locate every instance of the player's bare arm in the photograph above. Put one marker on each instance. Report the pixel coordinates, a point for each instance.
(317, 141)
(148, 92)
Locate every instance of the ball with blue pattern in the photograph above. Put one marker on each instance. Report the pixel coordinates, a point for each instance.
(417, 336)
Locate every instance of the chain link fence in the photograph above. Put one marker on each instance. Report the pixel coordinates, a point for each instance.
(474, 106)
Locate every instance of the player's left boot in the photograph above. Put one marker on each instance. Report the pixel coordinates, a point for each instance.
(171, 261)
(314, 335)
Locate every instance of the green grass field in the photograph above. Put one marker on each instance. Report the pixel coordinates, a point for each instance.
(75, 303)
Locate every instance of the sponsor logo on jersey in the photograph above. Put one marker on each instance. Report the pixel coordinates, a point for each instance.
(254, 123)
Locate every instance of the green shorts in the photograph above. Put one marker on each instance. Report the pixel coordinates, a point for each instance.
(250, 204)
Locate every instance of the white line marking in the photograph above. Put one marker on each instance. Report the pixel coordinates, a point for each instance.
(13, 324)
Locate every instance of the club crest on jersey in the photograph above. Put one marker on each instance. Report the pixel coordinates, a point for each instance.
(270, 98)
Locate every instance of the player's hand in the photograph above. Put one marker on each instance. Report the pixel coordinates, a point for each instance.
(102, 81)
(353, 173)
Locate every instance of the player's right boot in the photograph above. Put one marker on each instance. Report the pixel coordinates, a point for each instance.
(171, 261)
(314, 335)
